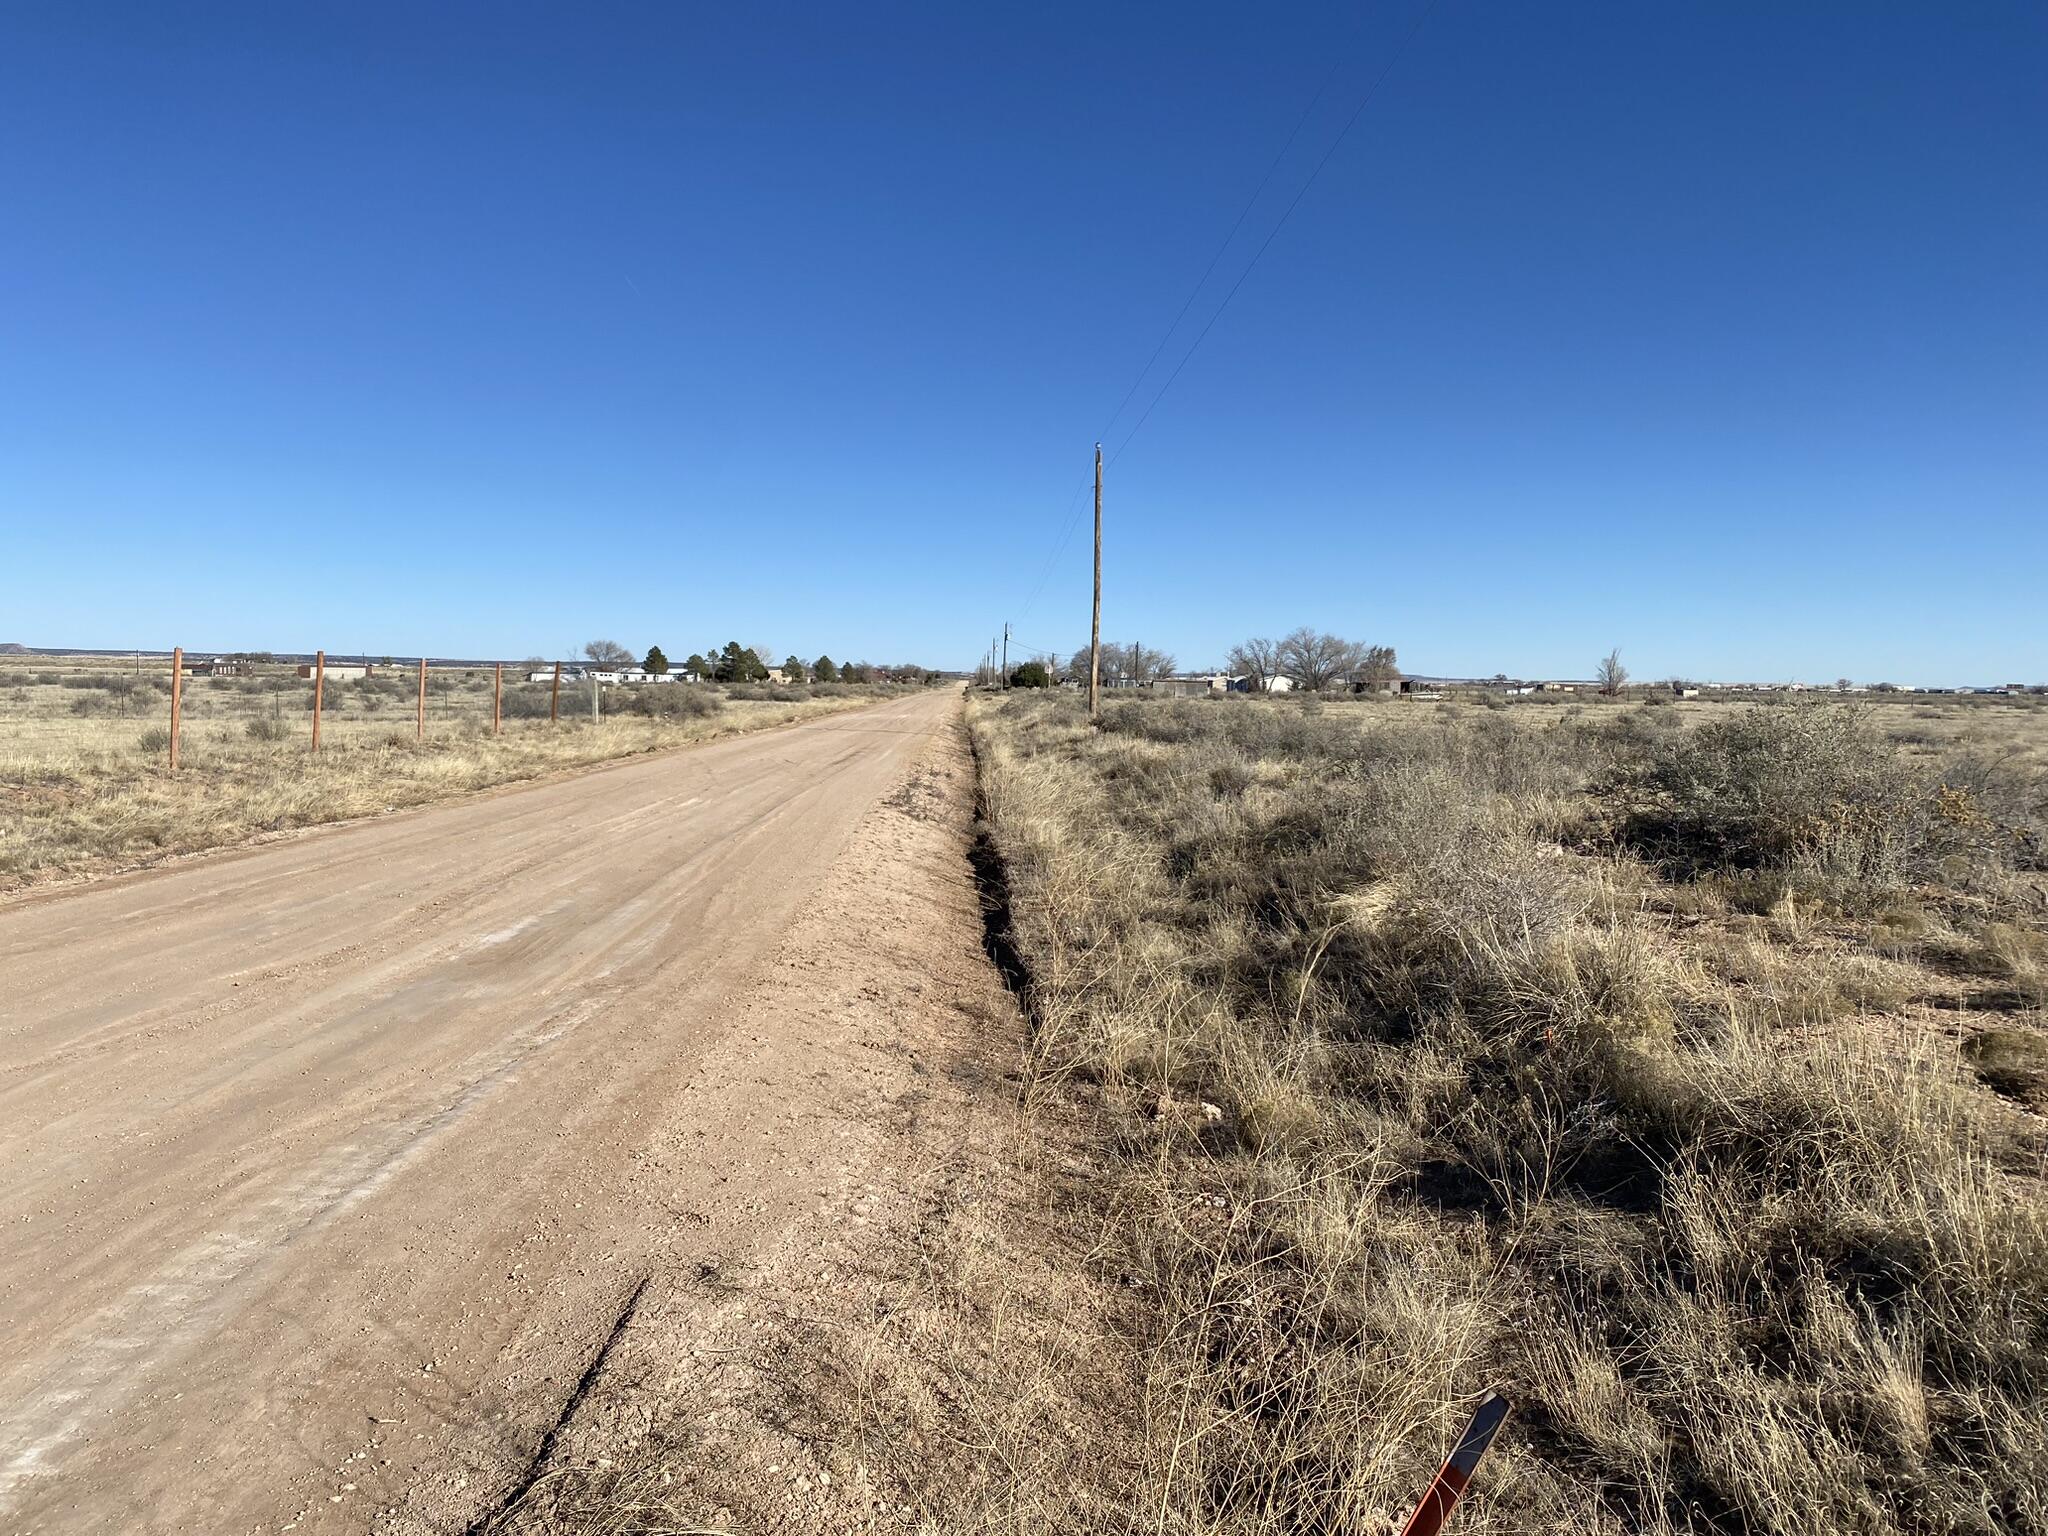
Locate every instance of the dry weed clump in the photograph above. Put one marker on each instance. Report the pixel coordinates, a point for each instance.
(1415, 1080)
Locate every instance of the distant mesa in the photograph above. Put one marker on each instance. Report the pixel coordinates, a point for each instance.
(13, 648)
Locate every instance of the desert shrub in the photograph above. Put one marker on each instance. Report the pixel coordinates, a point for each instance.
(2001, 803)
(675, 701)
(1788, 788)
(267, 728)
(1167, 720)
(529, 701)
(92, 703)
(155, 740)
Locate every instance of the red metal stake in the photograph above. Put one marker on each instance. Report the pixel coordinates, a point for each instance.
(1442, 1496)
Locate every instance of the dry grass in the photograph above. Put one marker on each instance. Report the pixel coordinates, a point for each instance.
(83, 746)
(1630, 1060)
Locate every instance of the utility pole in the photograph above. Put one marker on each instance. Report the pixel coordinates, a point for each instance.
(1006, 653)
(1095, 623)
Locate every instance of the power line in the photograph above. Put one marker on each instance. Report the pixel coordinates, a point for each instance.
(1073, 508)
(1342, 133)
(1073, 502)
(1059, 544)
(1242, 214)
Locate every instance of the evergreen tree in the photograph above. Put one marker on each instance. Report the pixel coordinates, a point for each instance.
(655, 662)
(793, 669)
(824, 670)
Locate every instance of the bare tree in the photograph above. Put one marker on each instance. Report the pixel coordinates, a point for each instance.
(1255, 661)
(1124, 664)
(1378, 669)
(608, 655)
(1314, 660)
(1611, 674)
(1147, 666)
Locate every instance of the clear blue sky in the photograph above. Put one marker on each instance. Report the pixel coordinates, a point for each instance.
(1718, 332)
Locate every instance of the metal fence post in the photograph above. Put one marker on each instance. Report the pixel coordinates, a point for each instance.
(177, 699)
(1443, 1494)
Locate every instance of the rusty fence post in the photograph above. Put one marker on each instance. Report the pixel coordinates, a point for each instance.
(319, 682)
(421, 733)
(498, 701)
(555, 698)
(177, 699)
(1443, 1494)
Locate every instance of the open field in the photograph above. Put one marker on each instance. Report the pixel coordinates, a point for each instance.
(84, 789)
(1679, 1070)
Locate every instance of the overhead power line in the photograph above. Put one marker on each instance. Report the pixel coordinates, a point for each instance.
(1342, 133)
(1072, 517)
(1236, 224)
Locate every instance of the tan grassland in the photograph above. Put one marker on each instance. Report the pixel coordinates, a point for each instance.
(84, 786)
(1678, 1070)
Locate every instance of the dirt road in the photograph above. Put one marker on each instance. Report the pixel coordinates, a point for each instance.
(327, 1167)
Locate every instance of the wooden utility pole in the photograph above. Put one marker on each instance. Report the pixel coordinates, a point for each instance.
(1006, 653)
(1095, 623)
(319, 679)
(177, 697)
(555, 698)
(498, 701)
(421, 732)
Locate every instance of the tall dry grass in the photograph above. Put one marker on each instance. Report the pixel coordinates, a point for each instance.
(1612, 1062)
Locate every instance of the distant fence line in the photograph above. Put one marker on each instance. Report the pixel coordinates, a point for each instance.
(316, 672)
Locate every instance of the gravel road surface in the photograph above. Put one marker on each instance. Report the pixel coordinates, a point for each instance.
(349, 1151)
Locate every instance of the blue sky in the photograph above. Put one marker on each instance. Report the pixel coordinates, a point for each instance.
(1717, 332)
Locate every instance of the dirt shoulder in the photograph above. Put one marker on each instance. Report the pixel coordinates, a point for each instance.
(889, 1315)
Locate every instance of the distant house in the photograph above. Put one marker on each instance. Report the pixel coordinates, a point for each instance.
(340, 669)
(1386, 686)
(220, 666)
(1270, 685)
(1192, 685)
(777, 675)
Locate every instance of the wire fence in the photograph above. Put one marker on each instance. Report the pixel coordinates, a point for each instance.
(54, 705)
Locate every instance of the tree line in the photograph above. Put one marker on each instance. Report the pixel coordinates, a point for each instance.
(736, 663)
(1307, 658)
